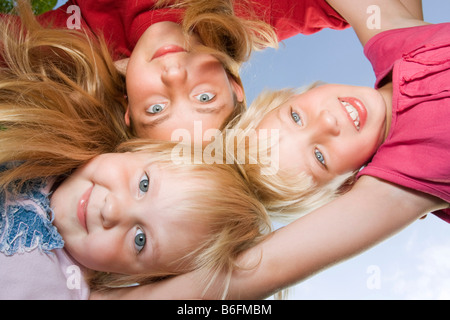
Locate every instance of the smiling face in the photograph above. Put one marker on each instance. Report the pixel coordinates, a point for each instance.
(116, 214)
(329, 130)
(169, 86)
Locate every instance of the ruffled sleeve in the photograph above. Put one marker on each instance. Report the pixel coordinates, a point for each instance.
(26, 220)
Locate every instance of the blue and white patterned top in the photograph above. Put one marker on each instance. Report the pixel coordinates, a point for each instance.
(26, 219)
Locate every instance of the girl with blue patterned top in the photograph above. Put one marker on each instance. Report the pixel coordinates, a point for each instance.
(81, 210)
(135, 216)
(26, 219)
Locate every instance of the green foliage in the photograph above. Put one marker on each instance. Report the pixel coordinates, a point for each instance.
(39, 6)
(6, 6)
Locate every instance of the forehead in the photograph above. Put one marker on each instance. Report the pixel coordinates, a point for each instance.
(177, 186)
(181, 229)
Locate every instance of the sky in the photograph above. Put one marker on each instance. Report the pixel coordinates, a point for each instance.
(413, 264)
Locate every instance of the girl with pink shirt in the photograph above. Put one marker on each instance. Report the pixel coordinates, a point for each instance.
(344, 133)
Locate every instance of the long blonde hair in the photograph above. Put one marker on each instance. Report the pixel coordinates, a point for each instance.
(286, 196)
(61, 98)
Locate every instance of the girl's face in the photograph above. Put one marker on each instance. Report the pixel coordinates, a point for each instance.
(169, 87)
(329, 130)
(116, 215)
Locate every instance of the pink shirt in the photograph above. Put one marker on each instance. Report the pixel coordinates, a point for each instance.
(40, 268)
(41, 276)
(416, 153)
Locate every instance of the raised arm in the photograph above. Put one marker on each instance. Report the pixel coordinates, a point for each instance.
(370, 17)
(371, 212)
(414, 7)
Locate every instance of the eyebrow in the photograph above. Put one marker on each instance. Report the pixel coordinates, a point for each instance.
(155, 122)
(213, 109)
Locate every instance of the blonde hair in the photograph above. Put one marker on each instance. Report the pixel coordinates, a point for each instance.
(235, 222)
(61, 98)
(286, 196)
(229, 38)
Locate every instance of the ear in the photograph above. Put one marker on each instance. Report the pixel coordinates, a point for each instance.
(238, 90)
(127, 117)
(121, 65)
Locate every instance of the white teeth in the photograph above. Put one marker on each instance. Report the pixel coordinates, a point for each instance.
(352, 112)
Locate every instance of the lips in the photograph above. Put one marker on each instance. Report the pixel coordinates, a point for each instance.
(355, 110)
(166, 50)
(82, 207)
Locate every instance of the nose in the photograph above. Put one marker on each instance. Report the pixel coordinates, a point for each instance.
(111, 212)
(174, 75)
(328, 123)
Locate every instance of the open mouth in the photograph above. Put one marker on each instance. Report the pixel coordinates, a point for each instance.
(355, 110)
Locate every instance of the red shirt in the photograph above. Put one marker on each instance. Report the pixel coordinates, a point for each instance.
(123, 22)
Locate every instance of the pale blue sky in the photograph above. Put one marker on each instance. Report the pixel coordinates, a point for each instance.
(414, 264)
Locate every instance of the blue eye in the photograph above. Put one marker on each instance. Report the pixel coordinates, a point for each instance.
(144, 184)
(205, 97)
(319, 156)
(296, 117)
(139, 240)
(156, 108)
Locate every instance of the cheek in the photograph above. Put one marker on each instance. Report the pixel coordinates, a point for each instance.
(177, 255)
(213, 121)
(355, 157)
(368, 146)
(136, 90)
(140, 79)
(100, 254)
